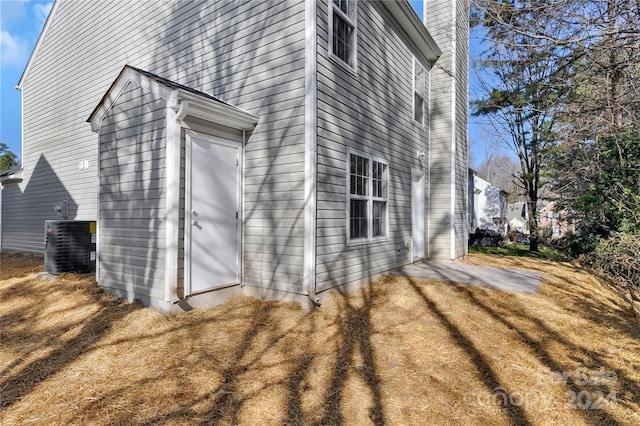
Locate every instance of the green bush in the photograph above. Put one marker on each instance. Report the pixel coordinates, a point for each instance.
(617, 256)
(578, 244)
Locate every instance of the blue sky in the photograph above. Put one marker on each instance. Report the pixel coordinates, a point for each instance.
(21, 22)
(20, 25)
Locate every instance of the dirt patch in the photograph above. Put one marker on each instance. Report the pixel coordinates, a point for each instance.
(398, 351)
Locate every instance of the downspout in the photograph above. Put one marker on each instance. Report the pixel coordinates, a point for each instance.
(310, 151)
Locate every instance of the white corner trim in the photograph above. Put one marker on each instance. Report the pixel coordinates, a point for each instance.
(98, 195)
(428, 194)
(310, 151)
(172, 202)
(22, 126)
(454, 72)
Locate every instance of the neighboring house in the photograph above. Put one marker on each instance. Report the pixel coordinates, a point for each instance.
(518, 217)
(487, 205)
(13, 175)
(271, 148)
(550, 218)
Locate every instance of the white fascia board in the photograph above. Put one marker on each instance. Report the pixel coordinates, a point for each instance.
(410, 22)
(12, 178)
(199, 106)
(218, 112)
(34, 52)
(127, 76)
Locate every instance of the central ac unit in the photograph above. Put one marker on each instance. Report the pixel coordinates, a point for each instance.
(70, 246)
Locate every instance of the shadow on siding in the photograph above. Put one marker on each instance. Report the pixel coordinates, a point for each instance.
(45, 186)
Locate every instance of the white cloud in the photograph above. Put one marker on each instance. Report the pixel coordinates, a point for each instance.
(12, 12)
(42, 10)
(14, 52)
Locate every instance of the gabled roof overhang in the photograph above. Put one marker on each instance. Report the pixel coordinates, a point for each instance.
(428, 50)
(189, 101)
(12, 175)
(36, 48)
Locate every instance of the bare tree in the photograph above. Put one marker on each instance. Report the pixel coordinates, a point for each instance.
(564, 76)
(502, 171)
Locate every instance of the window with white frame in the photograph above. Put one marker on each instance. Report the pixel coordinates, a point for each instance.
(342, 30)
(367, 197)
(419, 91)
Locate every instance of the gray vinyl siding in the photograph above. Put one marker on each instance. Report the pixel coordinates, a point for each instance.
(132, 196)
(448, 150)
(249, 53)
(13, 239)
(372, 112)
(462, 151)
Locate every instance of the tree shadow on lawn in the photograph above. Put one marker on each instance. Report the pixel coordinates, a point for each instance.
(579, 364)
(540, 337)
(35, 294)
(484, 370)
(266, 345)
(277, 363)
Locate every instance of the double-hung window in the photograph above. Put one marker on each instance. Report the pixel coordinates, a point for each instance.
(367, 197)
(419, 92)
(342, 31)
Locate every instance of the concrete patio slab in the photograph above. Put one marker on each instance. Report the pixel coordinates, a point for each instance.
(456, 273)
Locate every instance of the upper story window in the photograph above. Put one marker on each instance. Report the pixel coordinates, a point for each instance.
(367, 197)
(342, 31)
(419, 92)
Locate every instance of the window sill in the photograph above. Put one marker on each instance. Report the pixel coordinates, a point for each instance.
(354, 243)
(351, 70)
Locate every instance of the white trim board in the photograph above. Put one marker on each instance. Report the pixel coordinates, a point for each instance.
(310, 151)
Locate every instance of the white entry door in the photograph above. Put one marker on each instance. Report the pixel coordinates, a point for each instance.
(212, 207)
(417, 214)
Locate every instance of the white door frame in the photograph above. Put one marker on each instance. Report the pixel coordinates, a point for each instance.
(189, 136)
(415, 175)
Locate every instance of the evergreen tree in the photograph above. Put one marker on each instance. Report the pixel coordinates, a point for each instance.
(7, 158)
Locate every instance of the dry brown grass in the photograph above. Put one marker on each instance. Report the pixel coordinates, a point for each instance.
(398, 352)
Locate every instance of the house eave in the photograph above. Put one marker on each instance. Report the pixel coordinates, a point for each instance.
(411, 23)
(36, 48)
(216, 112)
(11, 178)
(199, 105)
